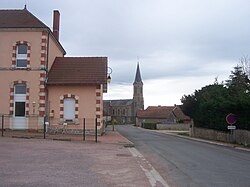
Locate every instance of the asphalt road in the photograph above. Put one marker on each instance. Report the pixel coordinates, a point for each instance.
(184, 162)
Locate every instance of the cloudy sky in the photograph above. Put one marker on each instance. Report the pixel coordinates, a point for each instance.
(182, 45)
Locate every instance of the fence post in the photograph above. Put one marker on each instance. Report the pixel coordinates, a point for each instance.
(95, 129)
(84, 129)
(2, 123)
(44, 127)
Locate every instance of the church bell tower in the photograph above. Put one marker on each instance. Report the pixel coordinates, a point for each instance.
(138, 91)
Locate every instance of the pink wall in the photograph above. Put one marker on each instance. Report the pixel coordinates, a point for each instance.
(8, 39)
(86, 94)
(54, 51)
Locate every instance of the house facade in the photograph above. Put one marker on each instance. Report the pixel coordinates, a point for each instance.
(29, 51)
(123, 111)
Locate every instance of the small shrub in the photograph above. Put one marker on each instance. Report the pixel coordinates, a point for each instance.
(151, 126)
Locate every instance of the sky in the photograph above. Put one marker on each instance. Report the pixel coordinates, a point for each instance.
(181, 45)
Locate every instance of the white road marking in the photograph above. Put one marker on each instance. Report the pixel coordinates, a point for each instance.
(153, 176)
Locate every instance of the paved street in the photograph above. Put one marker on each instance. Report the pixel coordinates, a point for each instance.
(184, 162)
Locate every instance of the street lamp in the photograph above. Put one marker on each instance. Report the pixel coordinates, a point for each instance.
(109, 73)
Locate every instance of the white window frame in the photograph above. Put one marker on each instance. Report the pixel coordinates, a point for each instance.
(69, 115)
(19, 98)
(21, 57)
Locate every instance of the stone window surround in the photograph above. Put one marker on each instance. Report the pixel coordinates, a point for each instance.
(76, 121)
(14, 54)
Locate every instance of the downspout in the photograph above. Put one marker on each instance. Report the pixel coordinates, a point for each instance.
(47, 107)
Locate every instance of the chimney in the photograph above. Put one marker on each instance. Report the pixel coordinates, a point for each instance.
(56, 22)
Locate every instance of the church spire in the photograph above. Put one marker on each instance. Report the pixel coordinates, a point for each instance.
(138, 75)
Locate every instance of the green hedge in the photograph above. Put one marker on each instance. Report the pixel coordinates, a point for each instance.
(149, 126)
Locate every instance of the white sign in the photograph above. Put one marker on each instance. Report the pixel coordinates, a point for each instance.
(231, 127)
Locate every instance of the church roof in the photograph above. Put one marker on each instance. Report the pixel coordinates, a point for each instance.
(138, 75)
(120, 102)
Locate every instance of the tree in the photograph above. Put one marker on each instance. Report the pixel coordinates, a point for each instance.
(211, 104)
(239, 90)
(245, 64)
(207, 106)
(238, 82)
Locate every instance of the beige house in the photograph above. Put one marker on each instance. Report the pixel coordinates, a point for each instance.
(37, 80)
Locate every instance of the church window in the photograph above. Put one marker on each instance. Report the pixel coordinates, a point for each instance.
(113, 112)
(123, 112)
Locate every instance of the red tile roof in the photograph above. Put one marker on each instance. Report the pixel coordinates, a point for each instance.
(19, 19)
(78, 70)
(162, 112)
(23, 19)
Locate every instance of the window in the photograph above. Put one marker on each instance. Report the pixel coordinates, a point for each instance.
(69, 109)
(19, 109)
(20, 89)
(21, 56)
(20, 99)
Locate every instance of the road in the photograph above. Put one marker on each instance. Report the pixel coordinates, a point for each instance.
(184, 162)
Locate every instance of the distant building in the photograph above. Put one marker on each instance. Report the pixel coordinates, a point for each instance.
(124, 110)
(162, 114)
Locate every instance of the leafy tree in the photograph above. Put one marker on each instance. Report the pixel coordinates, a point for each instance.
(239, 87)
(209, 106)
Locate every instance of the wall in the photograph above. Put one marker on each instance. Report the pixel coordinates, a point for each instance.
(239, 136)
(86, 101)
(139, 121)
(54, 51)
(8, 39)
(176, 126)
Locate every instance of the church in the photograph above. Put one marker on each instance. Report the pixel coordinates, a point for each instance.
(123, 111)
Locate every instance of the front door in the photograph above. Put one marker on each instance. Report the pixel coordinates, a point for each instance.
(20, 107)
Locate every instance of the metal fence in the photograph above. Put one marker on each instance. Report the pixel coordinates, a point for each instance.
(56, 129)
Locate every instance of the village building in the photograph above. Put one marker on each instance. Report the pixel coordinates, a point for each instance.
(38, 81)
(123, 111)
(162, 115)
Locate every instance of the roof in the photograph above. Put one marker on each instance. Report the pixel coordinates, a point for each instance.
(78, 70)
(23, 19)
(19, 19)
(162, 112)
(120, 102)
(138, 75)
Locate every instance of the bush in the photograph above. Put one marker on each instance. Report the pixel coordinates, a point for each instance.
(151, 126)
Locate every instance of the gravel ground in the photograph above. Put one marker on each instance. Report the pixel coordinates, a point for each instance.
(38, 162)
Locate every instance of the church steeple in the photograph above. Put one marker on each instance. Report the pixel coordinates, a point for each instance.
(138, 91)
(138, 75)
